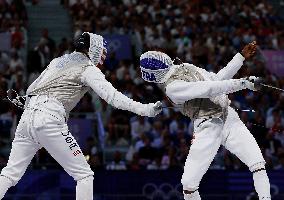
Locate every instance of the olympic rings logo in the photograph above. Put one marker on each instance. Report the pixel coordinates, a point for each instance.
(164, 192)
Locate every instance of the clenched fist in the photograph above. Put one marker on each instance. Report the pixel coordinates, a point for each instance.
(154, 109)
(253, 83)
(249, 50)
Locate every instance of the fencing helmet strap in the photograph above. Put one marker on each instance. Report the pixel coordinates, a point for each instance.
(97, 48)
(154, 66)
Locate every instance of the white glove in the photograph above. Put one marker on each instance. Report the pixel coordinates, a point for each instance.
(153, 109)
(252, 78)
(249, 82)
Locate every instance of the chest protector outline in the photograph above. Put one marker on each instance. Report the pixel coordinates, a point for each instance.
(199, 107)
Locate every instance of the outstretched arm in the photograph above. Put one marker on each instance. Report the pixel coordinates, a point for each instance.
(181, 91)
(236, 63)
(94, 78)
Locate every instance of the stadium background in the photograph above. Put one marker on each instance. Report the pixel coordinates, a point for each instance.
(136, 157)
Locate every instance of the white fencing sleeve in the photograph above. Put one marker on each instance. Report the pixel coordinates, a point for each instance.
(181, 91)
(94, 78)
(232, 67)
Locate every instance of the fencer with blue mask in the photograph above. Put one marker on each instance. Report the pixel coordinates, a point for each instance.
(203, 97)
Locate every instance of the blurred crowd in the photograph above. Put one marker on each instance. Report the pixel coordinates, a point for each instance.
(13, 23)
(13, 49)
(205, 33)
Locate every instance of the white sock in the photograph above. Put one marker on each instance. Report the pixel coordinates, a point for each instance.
(193, 196)
(84, 189)
(262, 185)
(5, 184)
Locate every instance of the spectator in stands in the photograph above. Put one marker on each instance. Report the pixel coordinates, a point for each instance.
(272, 146)
(105, 110)
(160, 163)
(177, 124)
(200, 32)
(117, 163)
(4, 61)
(157, 134)
(279, 135)
(118, 128)
(111, 62)
(138, 126)
(280, 166)
(147, 153)
(49, 41)
(18, 34)
(63, 47)
(275, 120)
(16, 63)
(134, 164)
(85, 105)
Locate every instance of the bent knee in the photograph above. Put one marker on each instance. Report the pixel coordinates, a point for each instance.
(257, 167)
(83, 173)
(189, 185)
(190, 191)
(13, 177)
(8, 180)
(87, 179)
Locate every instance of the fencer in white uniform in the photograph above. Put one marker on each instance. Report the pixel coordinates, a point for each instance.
(50, 98)
(202, 96)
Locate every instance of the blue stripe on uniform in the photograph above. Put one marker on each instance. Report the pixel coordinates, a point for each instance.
(104, 43)
(153, 64)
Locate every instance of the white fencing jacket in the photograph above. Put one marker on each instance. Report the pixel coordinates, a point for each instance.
(214, 85)
(69, 77)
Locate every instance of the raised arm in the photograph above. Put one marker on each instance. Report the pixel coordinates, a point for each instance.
(236, 63)
(94, 78)
(181, 91)
(232, 67)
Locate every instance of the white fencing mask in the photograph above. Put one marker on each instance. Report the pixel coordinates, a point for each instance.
(97, 46)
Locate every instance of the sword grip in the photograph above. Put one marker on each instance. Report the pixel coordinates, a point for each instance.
(258, 83)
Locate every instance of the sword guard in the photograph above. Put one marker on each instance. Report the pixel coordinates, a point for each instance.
(258, 83)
